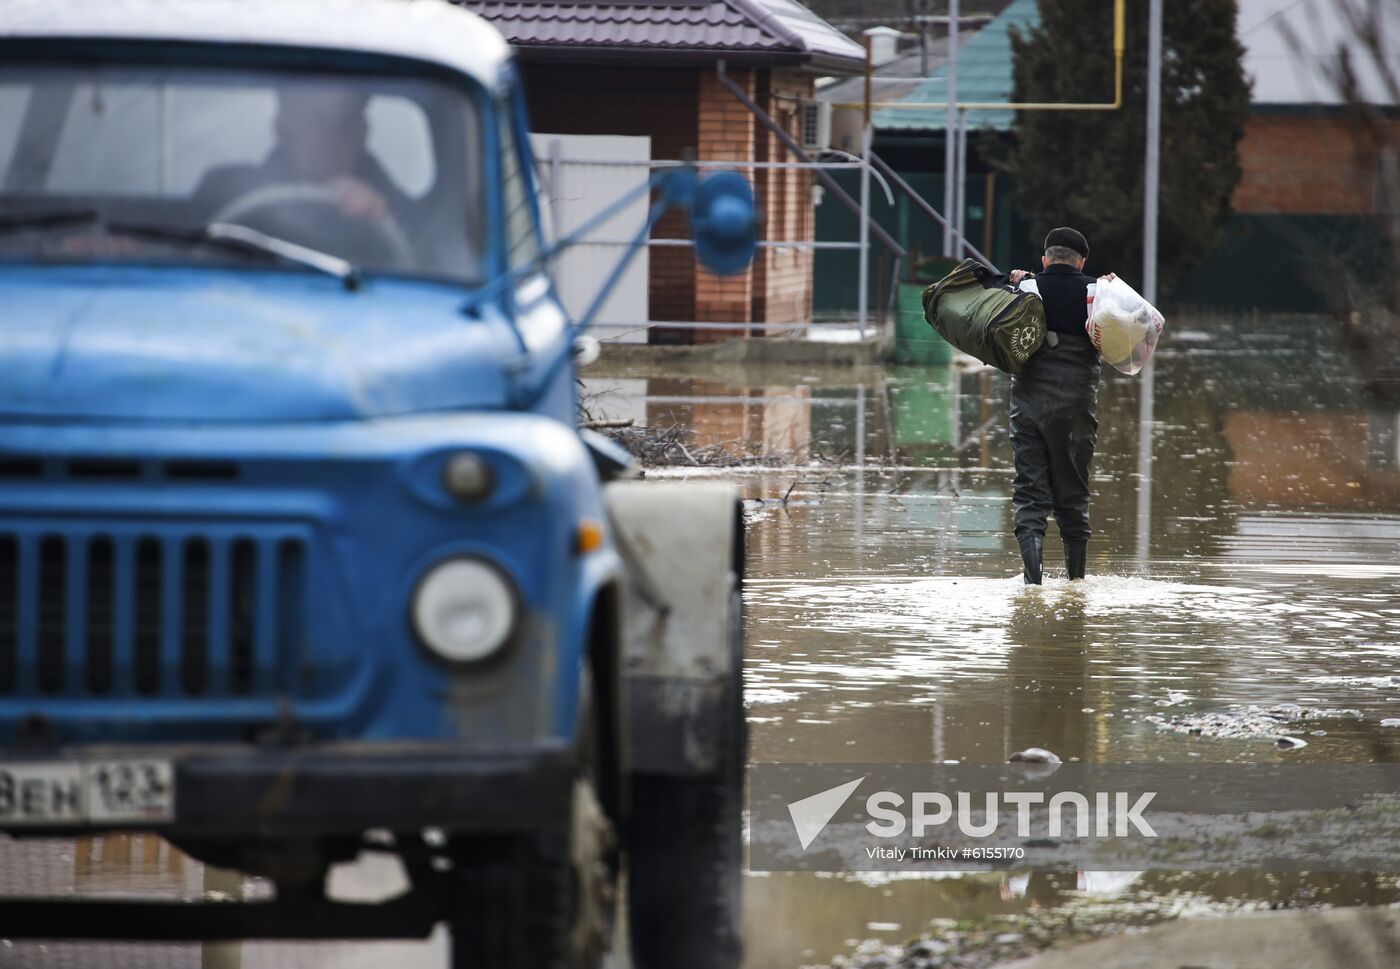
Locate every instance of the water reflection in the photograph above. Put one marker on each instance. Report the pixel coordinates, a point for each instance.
(887, 622)
(923, 413)
(1047, 673)
(1332, 459)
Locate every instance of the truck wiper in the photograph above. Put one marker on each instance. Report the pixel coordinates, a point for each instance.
(243, 239)
(223, 234)
(23, 221)
(240, 235)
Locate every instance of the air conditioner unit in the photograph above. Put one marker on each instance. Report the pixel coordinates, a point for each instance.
(816, 125)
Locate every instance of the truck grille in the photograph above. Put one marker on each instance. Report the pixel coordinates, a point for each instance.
(107, 613)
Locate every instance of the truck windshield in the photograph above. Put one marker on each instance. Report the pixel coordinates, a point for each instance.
(381, 171)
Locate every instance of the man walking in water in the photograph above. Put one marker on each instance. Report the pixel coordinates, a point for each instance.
(1054, 411)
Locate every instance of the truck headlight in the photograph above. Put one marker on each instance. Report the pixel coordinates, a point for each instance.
(464, 609)
(467, 477)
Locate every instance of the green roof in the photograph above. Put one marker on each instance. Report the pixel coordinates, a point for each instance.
(984, 75)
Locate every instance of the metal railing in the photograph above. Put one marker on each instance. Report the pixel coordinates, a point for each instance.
(552, 164)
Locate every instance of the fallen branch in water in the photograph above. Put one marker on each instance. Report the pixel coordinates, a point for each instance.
(675, 446)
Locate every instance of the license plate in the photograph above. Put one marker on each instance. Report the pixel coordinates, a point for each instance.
(79, 792)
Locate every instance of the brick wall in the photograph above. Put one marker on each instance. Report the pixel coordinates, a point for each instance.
(778, 289)
(1306, 165)
(686, 111)
(618, 101)
(726, 133)
(784, 276)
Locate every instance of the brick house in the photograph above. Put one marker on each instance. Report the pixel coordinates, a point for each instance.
(1309, 161)
(649, 68)
(1310, 192)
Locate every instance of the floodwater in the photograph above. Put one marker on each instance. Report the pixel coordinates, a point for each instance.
(886, 621)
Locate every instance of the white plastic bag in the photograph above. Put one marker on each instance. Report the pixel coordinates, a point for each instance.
(1123, 325)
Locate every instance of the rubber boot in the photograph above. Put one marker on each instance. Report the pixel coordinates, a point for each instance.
(1031, 547)
(1074, 560)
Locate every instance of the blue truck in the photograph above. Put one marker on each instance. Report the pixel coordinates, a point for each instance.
(303, 553)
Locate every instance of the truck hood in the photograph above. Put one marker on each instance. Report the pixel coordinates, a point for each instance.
(108, 343)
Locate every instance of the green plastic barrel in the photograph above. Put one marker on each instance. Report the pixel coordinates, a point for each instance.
(914, 340)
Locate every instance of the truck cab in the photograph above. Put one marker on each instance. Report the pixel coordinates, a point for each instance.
(302, 553)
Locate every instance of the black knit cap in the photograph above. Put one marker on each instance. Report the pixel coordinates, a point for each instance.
(1068, 238)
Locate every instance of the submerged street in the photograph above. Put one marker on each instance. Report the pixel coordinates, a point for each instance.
(887, 622)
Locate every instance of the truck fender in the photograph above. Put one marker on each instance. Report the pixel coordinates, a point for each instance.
(683, 551)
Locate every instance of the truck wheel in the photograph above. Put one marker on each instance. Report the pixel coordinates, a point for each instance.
(685, 848)
(545, 902)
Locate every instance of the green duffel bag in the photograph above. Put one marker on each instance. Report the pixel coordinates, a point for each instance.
(982, 316)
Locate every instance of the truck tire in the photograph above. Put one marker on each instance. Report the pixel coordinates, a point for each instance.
(545, 901)
(685, 847)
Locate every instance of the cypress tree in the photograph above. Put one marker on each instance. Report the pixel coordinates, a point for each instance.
(1085, 168)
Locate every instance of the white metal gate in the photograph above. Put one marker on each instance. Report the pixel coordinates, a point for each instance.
(573, 192)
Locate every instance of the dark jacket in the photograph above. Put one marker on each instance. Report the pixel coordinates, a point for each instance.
(1054, 414)
(1065, 292)
(1068, 356)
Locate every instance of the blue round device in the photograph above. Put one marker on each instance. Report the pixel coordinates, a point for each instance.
(723, 220)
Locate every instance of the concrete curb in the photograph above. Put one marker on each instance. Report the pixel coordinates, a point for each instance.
(757, 351)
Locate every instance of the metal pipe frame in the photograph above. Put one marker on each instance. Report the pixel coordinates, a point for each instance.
(923, 205)
(959, 212)
(791, 144)
(1114, 105)
(762, 244)
(637, 163)
(950, 147)
(705, 325)
(1151, 177)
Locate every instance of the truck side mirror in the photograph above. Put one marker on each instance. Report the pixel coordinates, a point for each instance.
(724, 223)
(586, 349)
